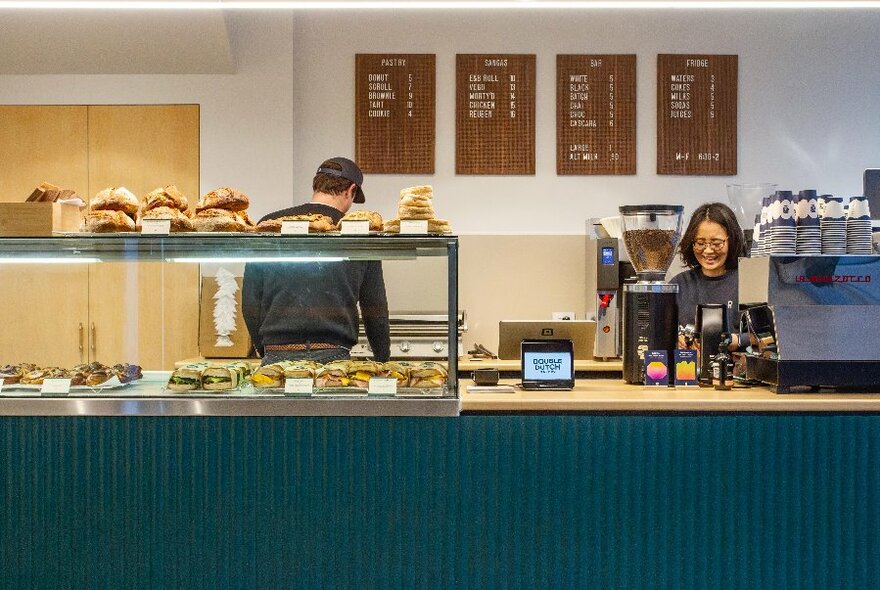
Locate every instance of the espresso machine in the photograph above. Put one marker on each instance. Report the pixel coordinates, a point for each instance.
(814, 321)
(650, 315)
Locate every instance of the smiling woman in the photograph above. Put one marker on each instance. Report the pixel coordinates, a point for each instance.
(710, 248)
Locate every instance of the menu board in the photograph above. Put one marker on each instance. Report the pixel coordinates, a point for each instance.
(495, 114)
(394, 113)
(595, 114)
(696, 114)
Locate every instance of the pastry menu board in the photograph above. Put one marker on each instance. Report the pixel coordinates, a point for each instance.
(696, 114)
(595, 114)
(495, 114)
(395, 98)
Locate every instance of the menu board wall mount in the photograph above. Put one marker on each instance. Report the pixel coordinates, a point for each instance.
(595, 114)
(395, 103)
(495, 114)
(697, 114)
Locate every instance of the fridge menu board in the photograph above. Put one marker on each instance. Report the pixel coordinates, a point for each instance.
(495, 114)
(696, 114)
(394, 113)
(595, 114)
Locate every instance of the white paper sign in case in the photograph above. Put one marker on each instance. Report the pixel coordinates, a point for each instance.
(300, 386)
(161, 227)
(295, 226)
(413, 226)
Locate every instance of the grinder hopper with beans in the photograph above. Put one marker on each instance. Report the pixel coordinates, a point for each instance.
(650, 315)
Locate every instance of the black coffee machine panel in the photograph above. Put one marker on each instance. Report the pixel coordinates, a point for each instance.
(650, 323)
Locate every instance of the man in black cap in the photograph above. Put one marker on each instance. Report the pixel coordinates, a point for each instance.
(309, 310)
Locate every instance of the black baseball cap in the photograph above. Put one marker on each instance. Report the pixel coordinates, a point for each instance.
(350, 171)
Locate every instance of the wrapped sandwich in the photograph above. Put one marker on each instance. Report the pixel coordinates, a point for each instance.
(333, 374)
(217, 377)
(360, 372)
(269, 376)
(186, 378)
(304, 369)
(427, 374)
(397, 370)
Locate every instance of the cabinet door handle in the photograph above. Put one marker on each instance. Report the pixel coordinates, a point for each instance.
(82, 334)
(93, 338)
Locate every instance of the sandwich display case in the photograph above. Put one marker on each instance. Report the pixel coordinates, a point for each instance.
(101, 325)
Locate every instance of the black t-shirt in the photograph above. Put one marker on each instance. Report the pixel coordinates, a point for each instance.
(296, 302)
(694, 288)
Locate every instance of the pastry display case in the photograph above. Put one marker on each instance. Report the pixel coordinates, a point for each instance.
(103, 324)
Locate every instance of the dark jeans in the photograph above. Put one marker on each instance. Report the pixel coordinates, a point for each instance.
(321, 356)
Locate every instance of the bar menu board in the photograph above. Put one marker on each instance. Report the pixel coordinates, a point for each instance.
(696, 114)
(595, 114)
(495, 114)
(394, 113)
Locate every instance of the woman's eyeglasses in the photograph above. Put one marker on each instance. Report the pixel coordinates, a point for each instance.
(701, 245)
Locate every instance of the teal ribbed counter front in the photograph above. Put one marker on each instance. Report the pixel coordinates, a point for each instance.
(503, 501)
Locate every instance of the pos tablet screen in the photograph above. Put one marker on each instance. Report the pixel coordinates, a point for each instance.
(547, 364)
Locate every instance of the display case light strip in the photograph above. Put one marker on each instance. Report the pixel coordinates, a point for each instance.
(47, 260)
(433, 4)
(243, 259)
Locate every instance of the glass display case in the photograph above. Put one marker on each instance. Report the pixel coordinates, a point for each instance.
(129, 305)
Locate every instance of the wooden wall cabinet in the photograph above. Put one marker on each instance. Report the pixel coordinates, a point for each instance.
(144, 313)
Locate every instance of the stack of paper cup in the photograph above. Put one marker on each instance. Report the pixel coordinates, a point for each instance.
(783, 224)
(809, 236)
(858, 227)
(833, 226)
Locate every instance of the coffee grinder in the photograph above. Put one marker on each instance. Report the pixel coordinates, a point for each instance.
(650, 314)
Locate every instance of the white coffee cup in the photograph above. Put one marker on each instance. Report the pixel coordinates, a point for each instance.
(858, 207)
(833, 208)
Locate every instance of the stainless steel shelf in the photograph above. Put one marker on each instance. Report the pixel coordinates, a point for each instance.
(185, 247)
(226, 406)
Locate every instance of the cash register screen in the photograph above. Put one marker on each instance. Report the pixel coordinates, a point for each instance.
(547, 364)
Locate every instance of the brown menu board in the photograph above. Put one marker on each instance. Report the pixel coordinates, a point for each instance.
(595, 114)
(495, 114)
(394, 113)
(696, 114)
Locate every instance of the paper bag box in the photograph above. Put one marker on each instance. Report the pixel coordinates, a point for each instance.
(208, 337)
(38, 219)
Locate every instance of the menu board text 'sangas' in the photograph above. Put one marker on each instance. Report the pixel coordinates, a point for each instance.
(697, 114)
(595, 114)
(495, 114)
(395, 111)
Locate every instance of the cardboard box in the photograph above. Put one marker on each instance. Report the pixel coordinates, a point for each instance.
(241, 339)
(38, 219)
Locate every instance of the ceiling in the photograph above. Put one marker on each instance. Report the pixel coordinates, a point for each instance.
(114, 42)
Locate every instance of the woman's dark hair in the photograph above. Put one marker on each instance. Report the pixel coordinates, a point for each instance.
(723, 216)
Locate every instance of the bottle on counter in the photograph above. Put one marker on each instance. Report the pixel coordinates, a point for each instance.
(722, 365)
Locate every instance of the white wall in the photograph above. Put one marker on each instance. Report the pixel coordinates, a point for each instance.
(808, 113)
(809, 116)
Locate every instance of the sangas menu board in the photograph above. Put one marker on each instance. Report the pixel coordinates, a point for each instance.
(495, 114)
(697, 114)
(394, 113)
(595, 114)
